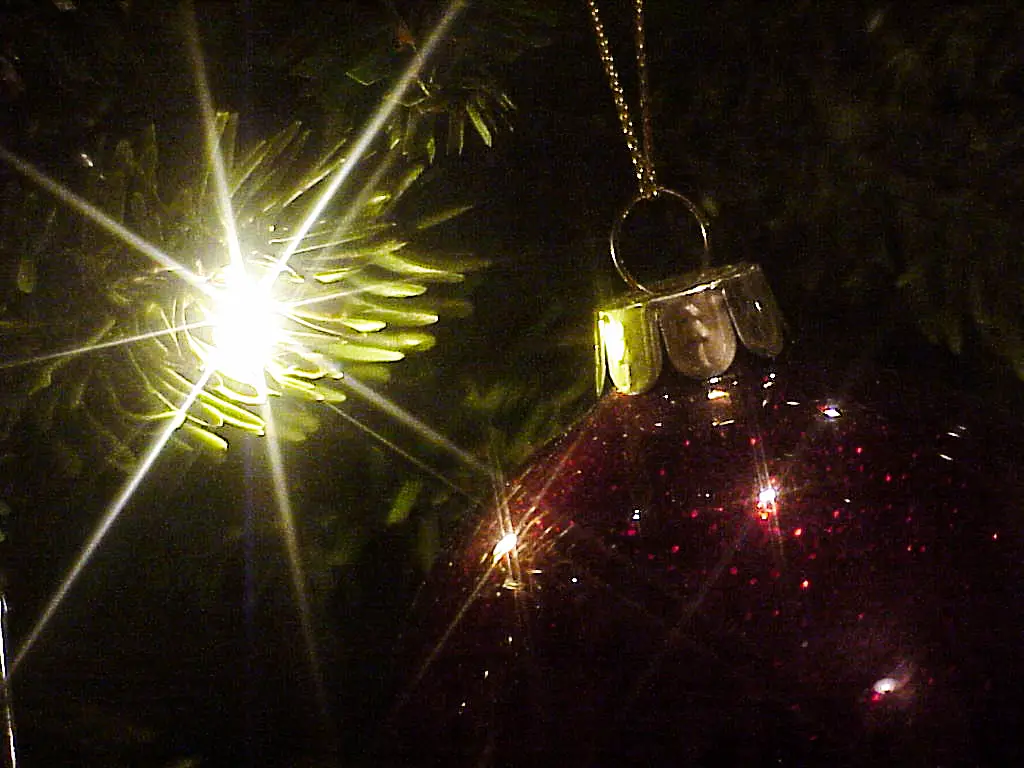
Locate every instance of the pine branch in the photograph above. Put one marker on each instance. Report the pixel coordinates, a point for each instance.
(359, 293)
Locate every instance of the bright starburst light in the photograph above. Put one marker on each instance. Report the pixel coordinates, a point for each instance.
(246, 329)
(228, 343)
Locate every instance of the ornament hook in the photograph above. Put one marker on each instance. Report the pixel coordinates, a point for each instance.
(654, 194)
(696, 321)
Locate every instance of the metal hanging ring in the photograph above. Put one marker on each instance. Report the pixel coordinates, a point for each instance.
(616, 232)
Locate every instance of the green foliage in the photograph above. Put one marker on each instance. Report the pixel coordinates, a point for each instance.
(355, 292)
(863, 152)
(459, 88)
(956, 83)
(374, 249)
(57, 63)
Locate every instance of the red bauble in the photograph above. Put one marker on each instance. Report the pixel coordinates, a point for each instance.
(735, 574)
(748, 570)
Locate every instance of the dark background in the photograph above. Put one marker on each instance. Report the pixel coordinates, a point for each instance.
(866, 154)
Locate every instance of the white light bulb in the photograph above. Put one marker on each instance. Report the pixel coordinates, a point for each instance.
(245, 329)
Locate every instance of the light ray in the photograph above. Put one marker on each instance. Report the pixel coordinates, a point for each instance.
(403, 453)
(103, 220)
(286, 519)
(101, 345)
(677, 633)
(359, 202)
(392, 101)
(507, 530)
(108, 519)
(313, 330)
(512, 531)
(325, 297)
(428, 433)
(10, 752)
(212, 139)
(443, 640)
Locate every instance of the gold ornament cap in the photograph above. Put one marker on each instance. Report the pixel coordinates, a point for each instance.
(698, 321)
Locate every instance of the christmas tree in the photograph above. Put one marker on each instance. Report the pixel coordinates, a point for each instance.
(431, 322)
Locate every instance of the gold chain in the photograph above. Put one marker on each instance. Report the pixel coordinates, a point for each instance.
(640, 152)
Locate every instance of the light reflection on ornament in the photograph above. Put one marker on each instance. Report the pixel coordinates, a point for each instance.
(717, 394)
(767, 502)
(830, 411)
(895, 690)
(506, 544)
(614, 337)
(792, 624)
(885, 685)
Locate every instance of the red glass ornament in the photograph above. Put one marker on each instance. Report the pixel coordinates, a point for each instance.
(734, 571)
